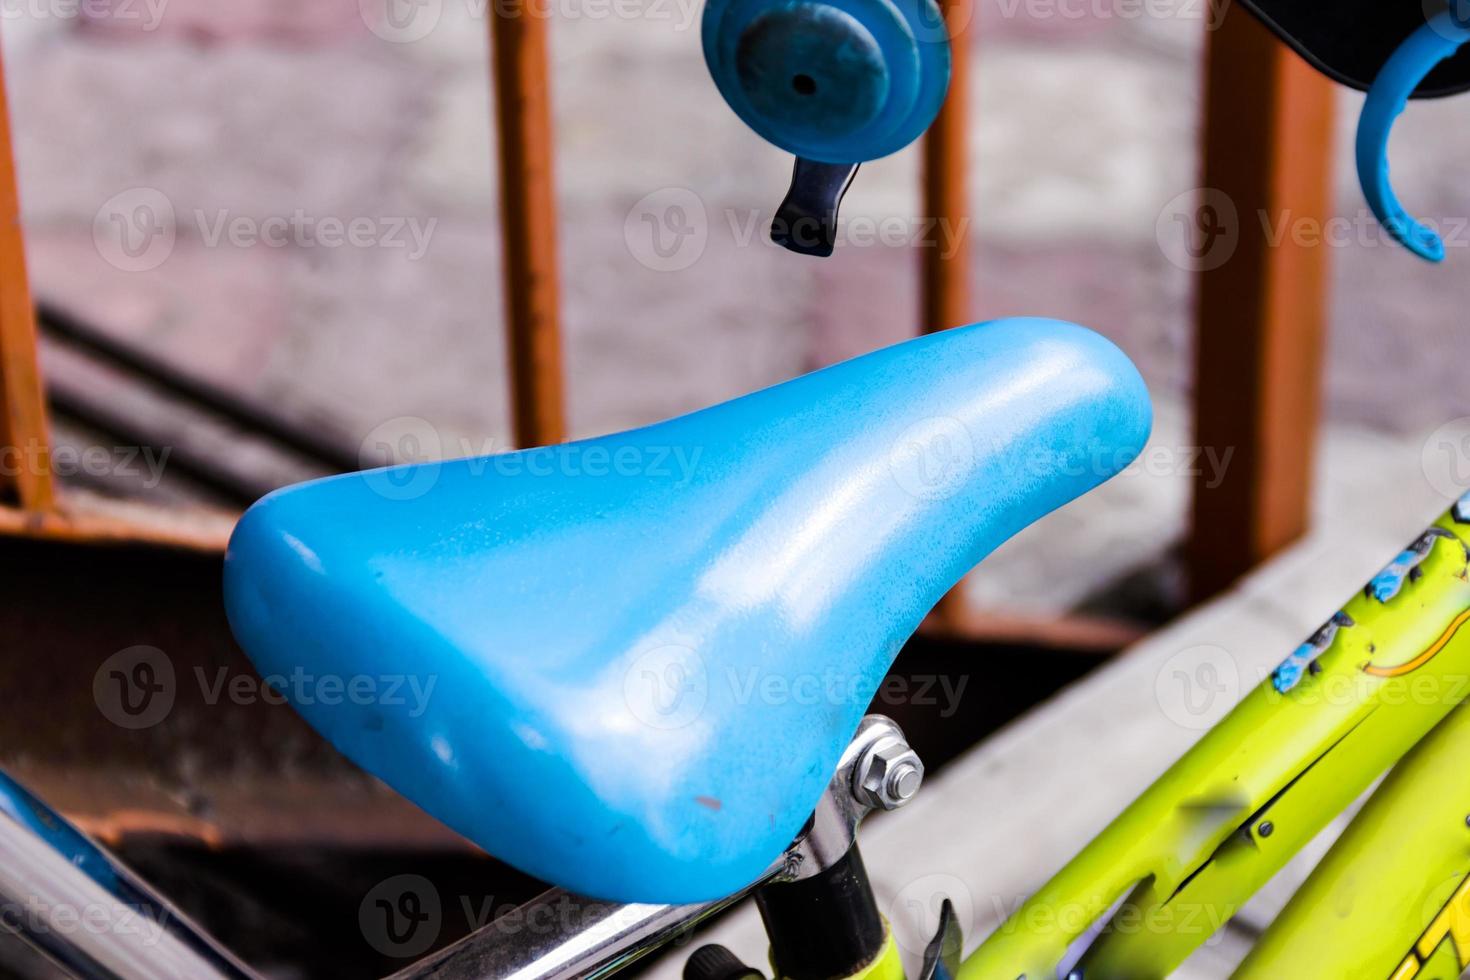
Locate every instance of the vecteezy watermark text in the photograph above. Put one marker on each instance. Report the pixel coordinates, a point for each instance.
(669, 230)
(1209, 12)
(138, 230)
(138, 687)
(143, 463)
(669, 686)
(409, 21)
(403, 916)
(37, 917)
(412, 448)
(147, 14)
(1201, 229)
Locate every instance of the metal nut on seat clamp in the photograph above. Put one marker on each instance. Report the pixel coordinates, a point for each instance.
(889, 774)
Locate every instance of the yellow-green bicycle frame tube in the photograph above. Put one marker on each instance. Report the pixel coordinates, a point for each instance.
(1197, 844)
(1391, 900)
(888, 965)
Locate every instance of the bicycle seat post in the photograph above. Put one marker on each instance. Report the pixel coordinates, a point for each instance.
(820, 916)
(826, 925)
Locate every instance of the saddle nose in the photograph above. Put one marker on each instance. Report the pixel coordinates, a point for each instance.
(629, 665)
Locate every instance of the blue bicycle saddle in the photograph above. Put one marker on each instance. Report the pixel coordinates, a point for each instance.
(628, 666)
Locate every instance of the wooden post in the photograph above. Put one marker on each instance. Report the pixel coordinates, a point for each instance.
(25, 468)
(528, 218)
(945, 278)
(1267, 148)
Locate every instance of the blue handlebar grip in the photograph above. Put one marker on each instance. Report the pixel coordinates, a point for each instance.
(1431, 44)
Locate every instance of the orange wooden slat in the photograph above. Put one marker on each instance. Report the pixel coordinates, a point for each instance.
(25, 468)
(945, 272)
(145, 527)
(1261, 312)
(528, 218)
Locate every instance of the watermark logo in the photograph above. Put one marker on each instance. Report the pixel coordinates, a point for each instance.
(408, 448)
(1196, 685)
(668, 230)
(410, 21)
(1202, 229)
(138, 688)
(145, 15)
(915, 911)
(136, 230)
(35, 916)
(1444, 458)
(932, 458)
(142, 463)
(667, 687)
(1209, 12)
(300, 229)
(413, 440)
(1198, 230)
(750, 226)
(402, 916)
(401, 21)
(135, 688)
(937, 23)
(1458, 20)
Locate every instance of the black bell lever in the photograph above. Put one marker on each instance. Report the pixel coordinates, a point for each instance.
(806, 222)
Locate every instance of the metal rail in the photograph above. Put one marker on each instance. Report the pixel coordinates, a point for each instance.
(77, 905)
(605, 938)
(334, 451)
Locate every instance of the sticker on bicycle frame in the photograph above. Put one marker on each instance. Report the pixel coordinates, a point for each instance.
(1399, 670)
(1405, 568)
(1385, 587)
(1461, 511)
(1303, 659)
(1450, 927)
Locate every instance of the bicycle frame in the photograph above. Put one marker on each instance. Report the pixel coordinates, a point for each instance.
(1392, 897)
(1187, 854)
(1378, 683)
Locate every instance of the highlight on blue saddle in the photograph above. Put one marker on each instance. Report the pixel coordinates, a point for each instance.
(834, 81)
(629, 665)
(1431, 44)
